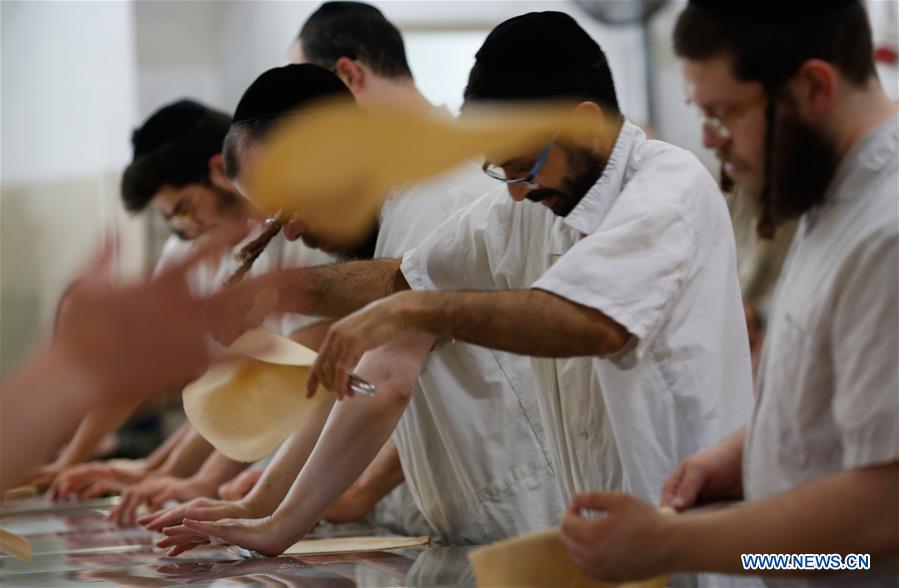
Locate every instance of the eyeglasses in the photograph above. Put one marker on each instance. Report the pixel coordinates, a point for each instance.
(498, 173)
(721, 125)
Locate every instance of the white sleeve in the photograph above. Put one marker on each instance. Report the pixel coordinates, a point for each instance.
(475, 249)
(173, 250)
(864, 340)
(633, 269)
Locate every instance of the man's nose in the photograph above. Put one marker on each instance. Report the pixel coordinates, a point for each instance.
(711, 139)
(295, 230)
(518, 192)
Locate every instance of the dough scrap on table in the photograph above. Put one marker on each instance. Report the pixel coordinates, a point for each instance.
(15, 545)
(354, 544)
(20, 492)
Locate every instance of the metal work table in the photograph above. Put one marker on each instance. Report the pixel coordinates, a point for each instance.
(72, 544)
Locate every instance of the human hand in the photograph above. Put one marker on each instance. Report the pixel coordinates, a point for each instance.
(264, 535)
(178, 539)
(715, 473)
(94, 479)
(156, 491)
(627, 543)
(133, 340)
(349, 338)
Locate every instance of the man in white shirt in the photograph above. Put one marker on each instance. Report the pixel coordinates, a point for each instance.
(679, 381)
(177, 170)
(790, 99)
(468, 432)
(622, 285)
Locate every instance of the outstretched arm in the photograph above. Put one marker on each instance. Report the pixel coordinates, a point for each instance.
(354, 434)
(553, 327)
(851, 512)
(327, 291)
(377, 481)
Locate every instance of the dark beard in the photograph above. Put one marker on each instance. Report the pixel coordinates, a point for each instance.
(584, 171)
(800, 163)
(227, 202)
(361, 251)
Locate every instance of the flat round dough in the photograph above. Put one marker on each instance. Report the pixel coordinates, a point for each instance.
(246, 407)
(538, 560)
(334, 167)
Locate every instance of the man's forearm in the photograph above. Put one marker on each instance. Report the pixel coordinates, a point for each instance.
(281, 472)
(339, 289)
(96, 425)
(383, 475)
(161, 453)
(855, 511)
(218, 469)
(41, 405)
(355, 432)
(187, 457)
(527, 322)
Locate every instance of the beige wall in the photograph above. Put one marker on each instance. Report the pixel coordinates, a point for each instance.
(68, 106)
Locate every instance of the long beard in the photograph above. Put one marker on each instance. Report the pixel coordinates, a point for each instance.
(800, 165)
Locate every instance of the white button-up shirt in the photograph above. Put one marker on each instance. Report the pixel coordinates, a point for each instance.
(651, 246)
(279, 254)
(829, 377)
(471, 442)
(201, 279)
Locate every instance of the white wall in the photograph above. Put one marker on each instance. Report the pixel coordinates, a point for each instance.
(68, 88)
(251, 36)
(68, 106)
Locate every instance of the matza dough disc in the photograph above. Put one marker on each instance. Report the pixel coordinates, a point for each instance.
(247, 406)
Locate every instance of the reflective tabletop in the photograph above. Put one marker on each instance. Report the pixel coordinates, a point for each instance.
(72, 544)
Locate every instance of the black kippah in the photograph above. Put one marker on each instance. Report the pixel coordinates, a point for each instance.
(167, 124)
(539, 45)
(772, 11)
(281, 90)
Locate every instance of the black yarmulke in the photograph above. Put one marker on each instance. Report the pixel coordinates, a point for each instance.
(539, 45)
(281, 90)
(166, 124)
(772, 11)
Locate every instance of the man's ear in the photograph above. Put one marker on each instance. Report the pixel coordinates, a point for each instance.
(813, 88)
(597, 141)
(350, 74)
(217, 173)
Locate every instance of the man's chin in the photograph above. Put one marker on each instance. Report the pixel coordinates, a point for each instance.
(744, 180)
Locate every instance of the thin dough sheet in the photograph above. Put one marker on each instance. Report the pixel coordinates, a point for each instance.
(248, 405)
(354, 544)
(537, 560)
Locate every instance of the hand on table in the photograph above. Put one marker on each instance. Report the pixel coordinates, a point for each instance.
(178, 538)
(262, 535)
(711, 474)
(627, 543)
(154, 492)
(45, 477)
(240, 485)
(95, 479)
